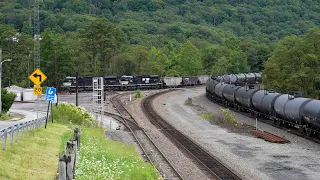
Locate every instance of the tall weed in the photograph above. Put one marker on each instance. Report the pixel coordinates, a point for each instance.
(103, 159)
(67, 113)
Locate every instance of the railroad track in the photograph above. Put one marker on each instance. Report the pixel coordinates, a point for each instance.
(206, 161)
(130, 123)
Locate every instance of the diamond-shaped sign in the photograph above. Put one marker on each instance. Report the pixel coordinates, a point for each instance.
(37, 77)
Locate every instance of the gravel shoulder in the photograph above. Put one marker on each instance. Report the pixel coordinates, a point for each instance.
(248, 156)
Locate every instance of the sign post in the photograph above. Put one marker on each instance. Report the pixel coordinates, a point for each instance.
(50, 97)
(37, 77)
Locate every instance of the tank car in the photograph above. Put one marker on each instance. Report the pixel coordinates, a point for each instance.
(267, 103)
(250, 78)
(258, 77)
(244, 97)
(311, 115)
(229, 79)
(229, 92)
(241, 78)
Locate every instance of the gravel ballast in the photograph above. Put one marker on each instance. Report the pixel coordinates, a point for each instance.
(182, 163)
(248, 156)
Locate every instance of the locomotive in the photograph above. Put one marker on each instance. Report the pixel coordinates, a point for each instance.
(125, 82)
(291, 110)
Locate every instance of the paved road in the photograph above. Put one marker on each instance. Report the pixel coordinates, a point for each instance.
(28, 116)
(29, 110)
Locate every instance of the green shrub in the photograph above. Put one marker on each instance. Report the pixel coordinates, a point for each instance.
(67, 113)
(7, 99)
(227, 116)
(139, 93)
(188, 101)
(207, 116)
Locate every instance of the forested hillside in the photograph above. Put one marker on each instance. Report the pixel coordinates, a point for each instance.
(166, 37)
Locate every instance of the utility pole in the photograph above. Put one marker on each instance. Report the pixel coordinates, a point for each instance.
(77, 88)
(55, 69)
(36, 42)
(1, 78)
(36, 35)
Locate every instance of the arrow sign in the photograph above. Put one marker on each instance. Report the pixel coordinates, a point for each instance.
(50, 94)
(37, 77)
(50, 91)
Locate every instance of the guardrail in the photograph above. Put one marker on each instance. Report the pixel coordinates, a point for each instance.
(67, 161)
(24, 127)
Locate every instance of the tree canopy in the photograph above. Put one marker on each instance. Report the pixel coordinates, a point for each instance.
(165, 37)
(295, 64)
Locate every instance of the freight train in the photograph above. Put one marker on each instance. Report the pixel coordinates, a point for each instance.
(291, 110)
(119, 83)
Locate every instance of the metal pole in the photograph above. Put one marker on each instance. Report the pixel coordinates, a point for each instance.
(37, 108)
(29, 70)
(76, 88)
(55, 75)
(256, 123)
(0, 81)
(47, 114)
(51, 113)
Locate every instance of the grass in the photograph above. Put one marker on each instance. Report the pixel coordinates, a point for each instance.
(188, 101)
(103, 159)
(228, 117)
(139, 93)
(4, 117)
(207, 116)
(35, 156)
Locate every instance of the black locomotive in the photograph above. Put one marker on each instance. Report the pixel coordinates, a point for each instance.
(125, 82)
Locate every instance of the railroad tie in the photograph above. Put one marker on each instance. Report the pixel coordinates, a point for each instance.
(269, 137)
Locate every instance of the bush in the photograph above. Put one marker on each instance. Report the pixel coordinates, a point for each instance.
(139, 93)
(188, 101)
(208, 116)
(67, 113)
(7, 99)
(227, 116)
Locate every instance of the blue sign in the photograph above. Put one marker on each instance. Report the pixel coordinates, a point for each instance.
(50, 93)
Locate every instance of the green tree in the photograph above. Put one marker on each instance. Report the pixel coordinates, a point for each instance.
(159, 61)
(56, 46)
(188, 60)
(294, 64)
(231, 59)
(7, 100)
(101, 40)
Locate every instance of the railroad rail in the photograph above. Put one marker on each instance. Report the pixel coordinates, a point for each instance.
(129, 121)
(206, 161)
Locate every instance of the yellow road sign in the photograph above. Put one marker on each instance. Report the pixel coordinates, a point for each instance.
(37, 77)
(37, 90)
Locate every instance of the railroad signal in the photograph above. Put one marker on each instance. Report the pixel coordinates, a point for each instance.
(37, 77)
